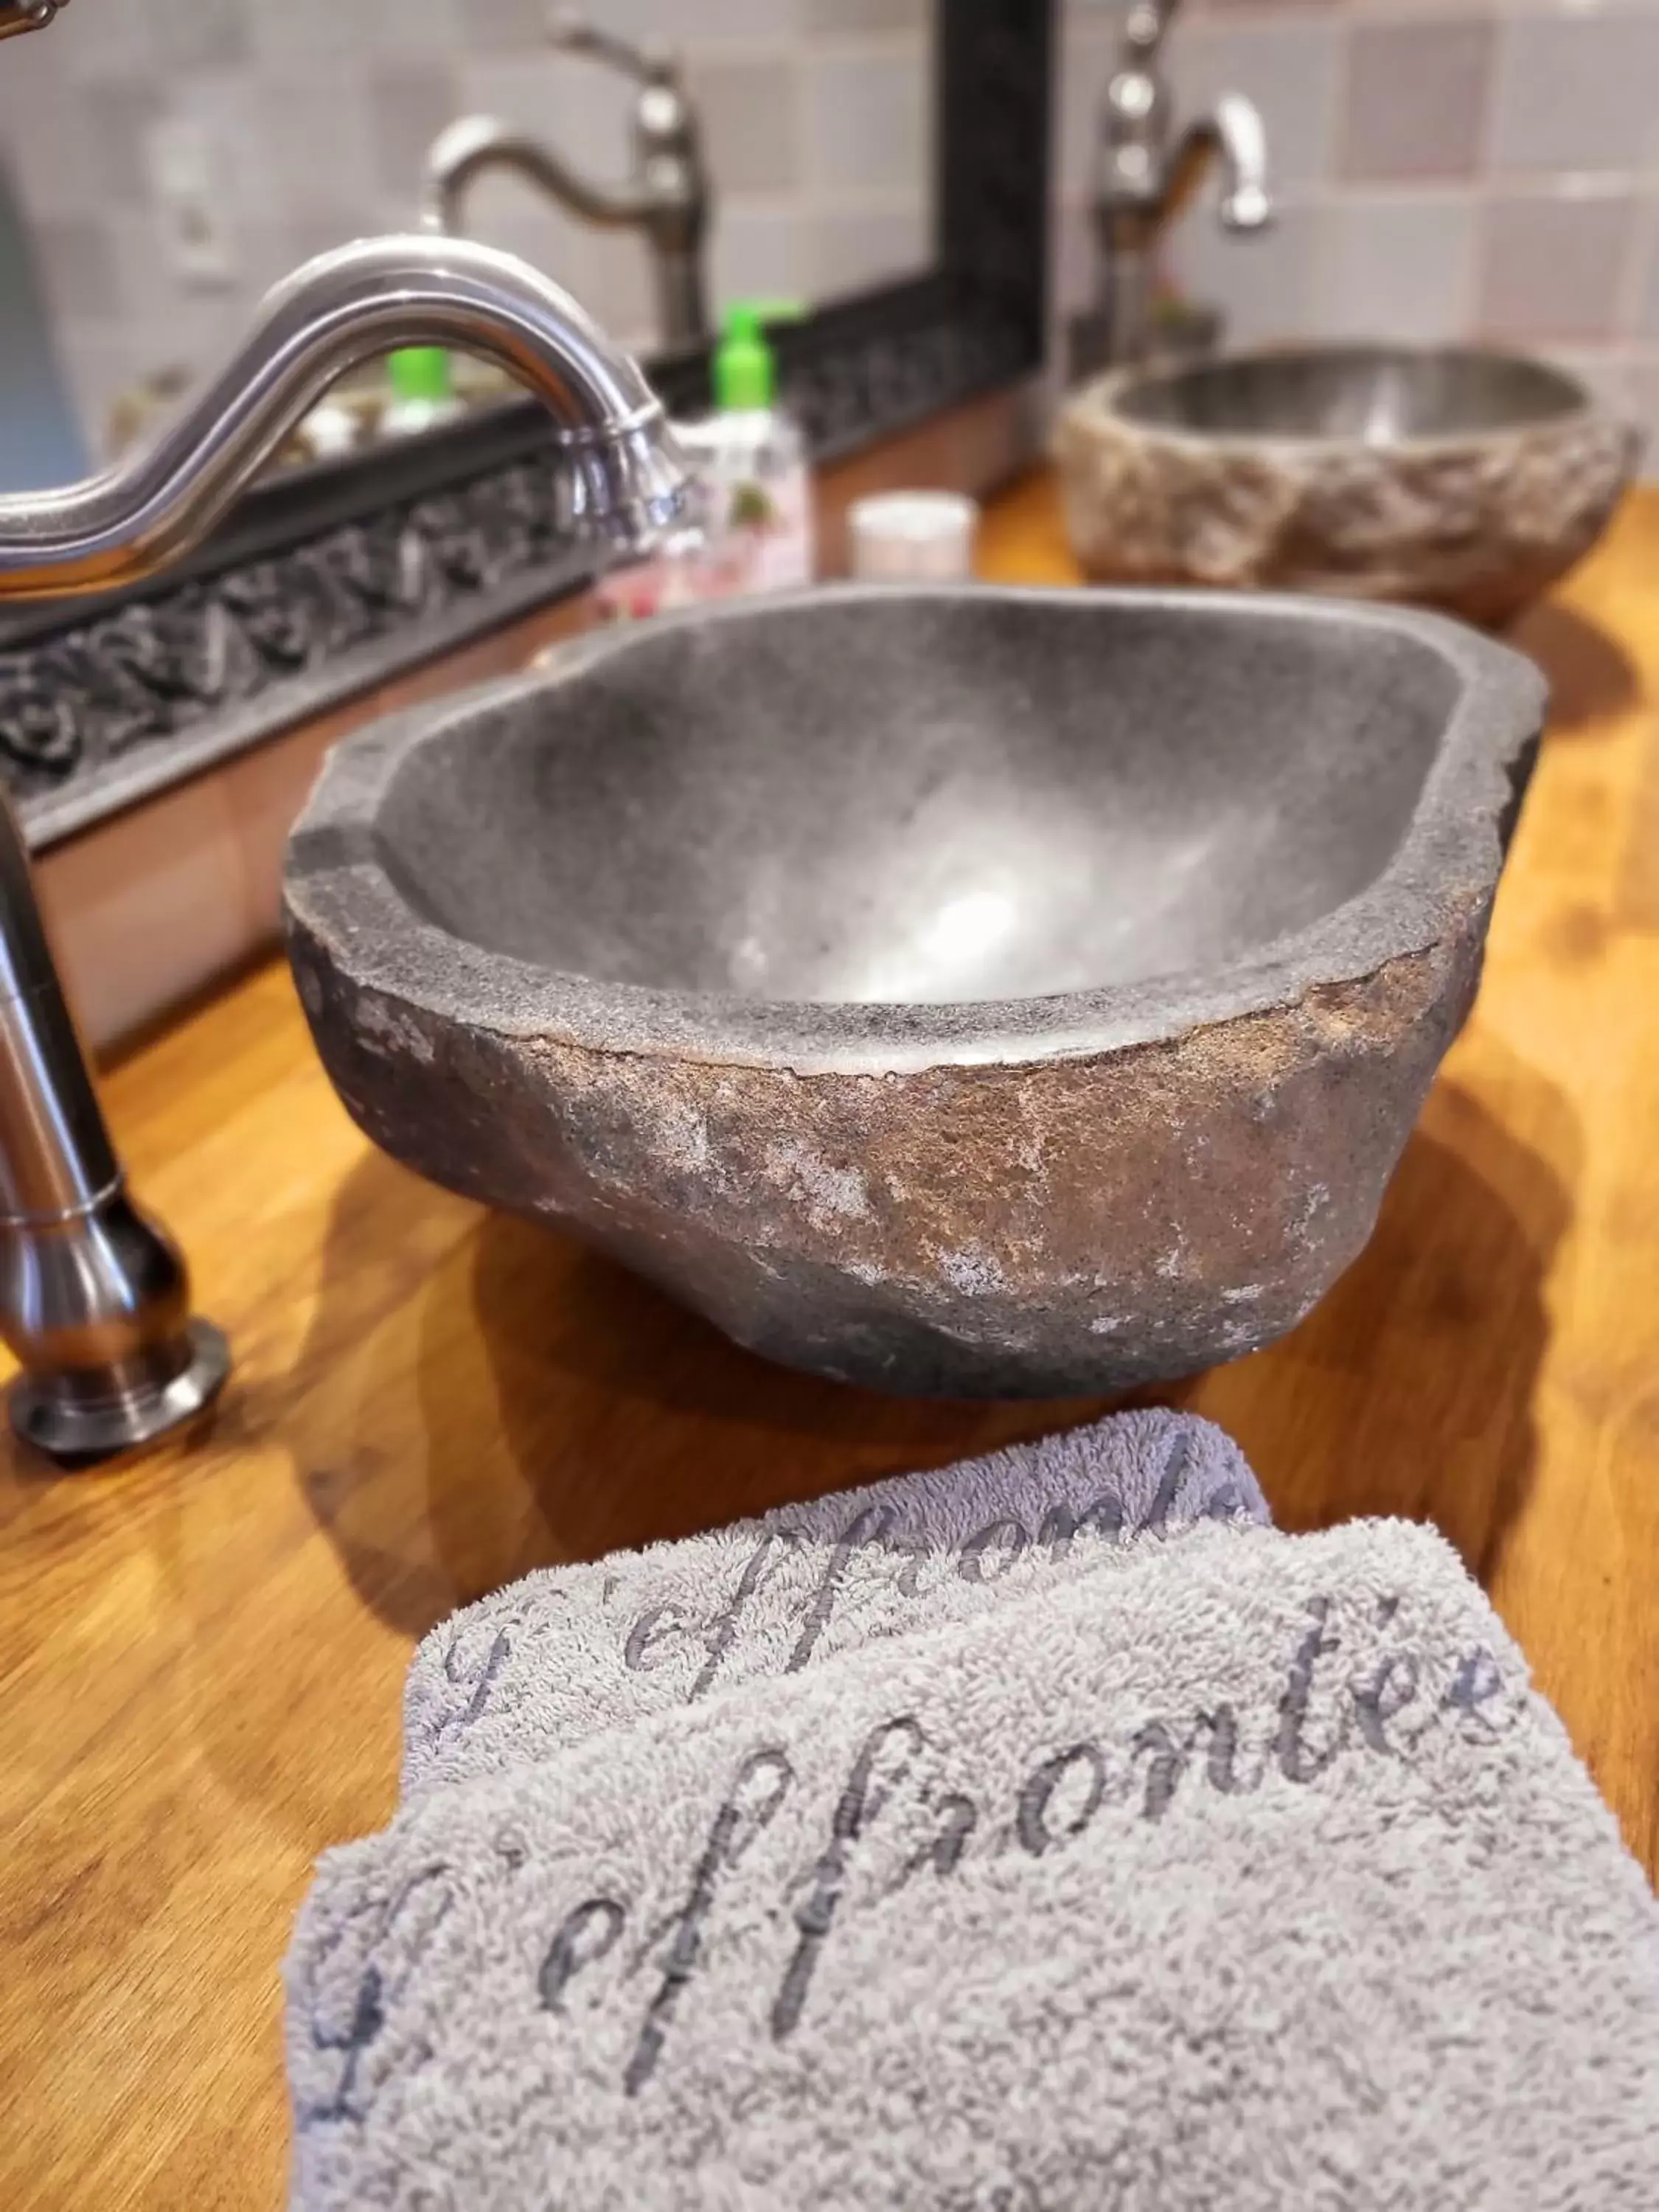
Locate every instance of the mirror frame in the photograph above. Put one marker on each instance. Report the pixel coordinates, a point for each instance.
(330, 578)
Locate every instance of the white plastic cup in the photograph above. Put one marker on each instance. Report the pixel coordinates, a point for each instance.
(909, 537)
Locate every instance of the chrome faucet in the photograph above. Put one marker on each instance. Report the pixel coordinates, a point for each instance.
(667, 198)
(1147, 174)
(93, 1297)
(27, 15)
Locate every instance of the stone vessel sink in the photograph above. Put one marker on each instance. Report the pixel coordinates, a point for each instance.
(1457, 478)
(972, 992)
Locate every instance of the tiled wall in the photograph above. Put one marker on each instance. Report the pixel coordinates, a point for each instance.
(1447, 169)
(818, 115)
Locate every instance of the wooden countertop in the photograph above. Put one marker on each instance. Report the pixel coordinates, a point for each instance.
(202, 1653)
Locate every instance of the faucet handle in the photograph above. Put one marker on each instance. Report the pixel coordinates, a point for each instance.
(571, 33)
(27, 15)
(1144, 29)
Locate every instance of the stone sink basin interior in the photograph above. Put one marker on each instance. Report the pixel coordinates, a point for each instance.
(954, 990)
(894, 804)
(1372, 395)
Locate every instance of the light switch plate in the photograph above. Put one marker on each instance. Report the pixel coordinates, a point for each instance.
(188, 183)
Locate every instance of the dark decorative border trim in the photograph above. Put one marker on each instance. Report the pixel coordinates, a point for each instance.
(334, 577)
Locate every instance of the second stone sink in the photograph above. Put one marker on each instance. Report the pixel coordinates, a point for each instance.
(1457, 477)
(954, 991)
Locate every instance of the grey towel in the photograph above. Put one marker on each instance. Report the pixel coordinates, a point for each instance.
(538, 1667)
(1253, 1876)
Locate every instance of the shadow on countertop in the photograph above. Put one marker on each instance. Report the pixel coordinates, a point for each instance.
(567, 1409)
(1591, 678)
(1409, 1388)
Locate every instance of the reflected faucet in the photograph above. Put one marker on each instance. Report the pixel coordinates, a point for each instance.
(93, 1297)
(27, 15)
(667, 198)
(1147, 175)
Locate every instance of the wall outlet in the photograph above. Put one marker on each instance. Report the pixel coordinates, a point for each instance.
(188, 182)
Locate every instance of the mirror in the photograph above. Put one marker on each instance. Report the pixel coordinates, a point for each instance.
(170, 159)
(167, 160)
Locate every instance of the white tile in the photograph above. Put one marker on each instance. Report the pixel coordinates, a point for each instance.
(1263, 283)
(1395, 268)
(1579, 91)
(853, 248)
(869, 124)
(759, 253)
(1288, 69)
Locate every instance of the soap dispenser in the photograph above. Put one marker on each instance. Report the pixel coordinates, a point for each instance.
(751, 457)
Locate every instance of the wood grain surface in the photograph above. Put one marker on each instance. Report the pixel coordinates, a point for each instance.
(202, 1653)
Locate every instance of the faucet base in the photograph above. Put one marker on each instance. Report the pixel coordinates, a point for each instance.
(81, 1419)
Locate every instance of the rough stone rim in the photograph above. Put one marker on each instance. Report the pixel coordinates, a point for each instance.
(338, 893)
(1099, 401)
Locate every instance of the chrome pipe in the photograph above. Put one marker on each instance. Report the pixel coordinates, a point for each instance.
(29, 15)
(622, 477)
(667, 198)
(94, 1299)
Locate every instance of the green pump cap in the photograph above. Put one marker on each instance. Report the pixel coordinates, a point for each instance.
(419, 372)
(745, 368)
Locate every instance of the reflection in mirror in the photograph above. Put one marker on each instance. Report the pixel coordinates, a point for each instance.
(172, 160)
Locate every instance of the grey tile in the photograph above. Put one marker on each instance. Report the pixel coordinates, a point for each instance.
(530, 93)
(259, 132)
(77, 259)
(758, 253)
(1085, 72)
(46, 138)
(119, 112)
(1395, 268)
(408, 103)
(99, 365)
(424, 30)
(869, 122)
(1551, 267)
(503, 211)
(1288, 69)
(192, 34)
(583, 110)
(316, 147)
(293, 31)
(855, 247)
(1263, 284)
(1417, 98)
(1578, 91)
(495, 26)
(693, 23)
(839, 18)
(307, 232)
(751, 122)
(616, 287)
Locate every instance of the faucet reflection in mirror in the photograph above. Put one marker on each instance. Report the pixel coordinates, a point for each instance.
(93, 1298)
(1147, 175)
(667, 198)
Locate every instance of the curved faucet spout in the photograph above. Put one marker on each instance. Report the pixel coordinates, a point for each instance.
(622, 475)
(468, 148)
(1235, 135)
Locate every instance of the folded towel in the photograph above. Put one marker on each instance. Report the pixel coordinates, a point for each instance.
(540, 1666)
(1254, 1875)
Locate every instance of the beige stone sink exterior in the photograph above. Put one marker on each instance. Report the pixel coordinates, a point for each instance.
(1460, 479)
